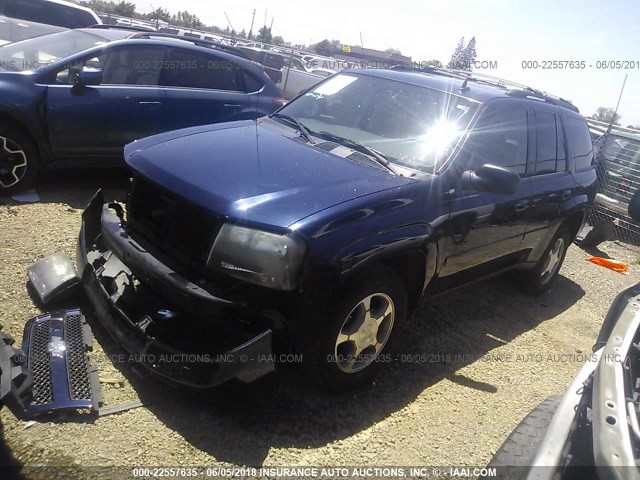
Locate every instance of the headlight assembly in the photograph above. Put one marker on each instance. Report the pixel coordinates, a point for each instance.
(263, 258)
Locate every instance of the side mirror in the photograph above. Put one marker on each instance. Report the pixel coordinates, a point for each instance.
(87, 76)
(634, 206)
(491, 178)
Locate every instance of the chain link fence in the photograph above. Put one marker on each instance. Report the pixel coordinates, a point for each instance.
(618, 168)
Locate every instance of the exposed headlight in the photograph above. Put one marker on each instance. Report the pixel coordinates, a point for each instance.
(264, 258)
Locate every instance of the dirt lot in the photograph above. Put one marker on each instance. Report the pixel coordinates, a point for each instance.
(507, 352)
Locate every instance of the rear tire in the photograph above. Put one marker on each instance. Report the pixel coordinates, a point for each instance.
(539, 278)
(358, 327)
(19, 161)
(520, 447)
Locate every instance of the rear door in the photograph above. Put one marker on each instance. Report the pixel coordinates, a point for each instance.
(203, 88)
(552, 185)
(97, 121)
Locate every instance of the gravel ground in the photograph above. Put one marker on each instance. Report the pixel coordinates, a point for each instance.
(507, 352)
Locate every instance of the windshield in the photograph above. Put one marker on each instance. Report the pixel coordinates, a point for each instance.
(411, 125)
(41, 51)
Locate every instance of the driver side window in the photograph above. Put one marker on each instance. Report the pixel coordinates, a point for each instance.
(500, 138)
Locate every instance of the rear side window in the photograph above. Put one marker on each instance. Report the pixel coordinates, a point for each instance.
(191, 69)
(546, 142)
(501, 138)
(578, 135)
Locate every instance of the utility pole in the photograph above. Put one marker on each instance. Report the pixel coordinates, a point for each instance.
(615, 113)
(231, 26)
(270, 27)
(252, 19)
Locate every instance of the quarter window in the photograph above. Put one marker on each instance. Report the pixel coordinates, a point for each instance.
(578, 135)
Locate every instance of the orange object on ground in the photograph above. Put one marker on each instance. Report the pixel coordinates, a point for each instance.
(615, 265)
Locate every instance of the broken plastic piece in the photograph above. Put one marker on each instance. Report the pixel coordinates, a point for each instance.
(15, 379)
(615, 265)
(54, 278)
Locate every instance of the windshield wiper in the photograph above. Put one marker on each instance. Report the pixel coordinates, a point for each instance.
(347, 142)
(304, 130)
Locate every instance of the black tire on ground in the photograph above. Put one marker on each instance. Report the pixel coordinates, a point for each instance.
(538, 280)
(19, 160)
(601, 232)
(520, 447)
(345, 311)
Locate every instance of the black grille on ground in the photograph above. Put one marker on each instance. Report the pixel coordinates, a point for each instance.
(79, 386)
(166, 219)
(40, 363)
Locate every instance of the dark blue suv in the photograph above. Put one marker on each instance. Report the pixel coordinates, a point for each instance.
(320, 228)
(77, 97)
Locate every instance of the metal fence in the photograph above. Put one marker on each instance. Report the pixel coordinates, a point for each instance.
(618, 167)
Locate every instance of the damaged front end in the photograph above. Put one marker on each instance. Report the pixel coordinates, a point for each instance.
(177, 329)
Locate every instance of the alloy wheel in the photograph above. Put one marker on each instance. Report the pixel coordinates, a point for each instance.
(553, 260)
(364, 332)
(13, 163)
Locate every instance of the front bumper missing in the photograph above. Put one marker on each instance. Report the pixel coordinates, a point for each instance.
(174, 328)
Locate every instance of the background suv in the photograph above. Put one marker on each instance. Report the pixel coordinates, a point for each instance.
(325, 224)
(77, 97)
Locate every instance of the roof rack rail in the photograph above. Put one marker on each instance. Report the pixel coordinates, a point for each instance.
(518, 89)
(513, 88)
(196, 41)
(427, 69)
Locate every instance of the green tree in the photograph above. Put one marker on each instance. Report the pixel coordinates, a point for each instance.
(470, 54)
(264, 35)
(160, 14)
(458, 56)
(394, 51)
(186, 19)
(326, 47)
(606, 114)
(126, 9)
(278, 40)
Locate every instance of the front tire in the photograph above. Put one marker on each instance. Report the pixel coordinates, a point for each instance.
(539, 278)
(345, 349)
(18, 161)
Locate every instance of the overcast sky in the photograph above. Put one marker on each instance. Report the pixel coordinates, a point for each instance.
(506, 31)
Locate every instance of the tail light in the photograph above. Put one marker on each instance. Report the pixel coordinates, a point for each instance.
(625, 185)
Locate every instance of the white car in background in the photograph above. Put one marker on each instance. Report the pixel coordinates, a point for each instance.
(50, 12)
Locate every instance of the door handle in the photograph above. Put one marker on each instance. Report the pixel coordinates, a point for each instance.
(149, 104)
(522, 205)
(232, 105)
(566, 194)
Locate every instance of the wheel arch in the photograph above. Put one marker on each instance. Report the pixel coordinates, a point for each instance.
(16, 123)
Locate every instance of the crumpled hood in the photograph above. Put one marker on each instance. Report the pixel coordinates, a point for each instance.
(256, 171)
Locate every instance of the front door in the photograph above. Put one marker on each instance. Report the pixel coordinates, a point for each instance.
(98, 120)
(485, 229)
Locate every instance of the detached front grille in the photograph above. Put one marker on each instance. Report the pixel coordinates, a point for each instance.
(39, 361)
(172, 223)
(77, 364)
